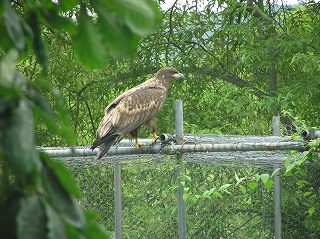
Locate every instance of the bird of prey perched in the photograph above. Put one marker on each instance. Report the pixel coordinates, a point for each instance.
(134, 108)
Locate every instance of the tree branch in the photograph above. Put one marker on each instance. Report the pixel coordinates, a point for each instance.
(85, 87)
(90, 115)
(228, 77)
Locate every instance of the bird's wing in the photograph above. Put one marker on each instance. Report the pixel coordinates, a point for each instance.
(130, 111)
(142, 86)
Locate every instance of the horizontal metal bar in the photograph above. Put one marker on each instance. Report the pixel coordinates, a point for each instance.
(172, 149)
(128, 142)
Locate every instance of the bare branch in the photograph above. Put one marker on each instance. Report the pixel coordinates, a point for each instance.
(85, 87)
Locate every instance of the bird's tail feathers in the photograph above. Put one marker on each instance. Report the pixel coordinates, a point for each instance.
(104, 147)
(98, 141)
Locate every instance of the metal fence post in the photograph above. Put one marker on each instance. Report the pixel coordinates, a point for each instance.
(178, 109)
(277, 186)
(117, 200)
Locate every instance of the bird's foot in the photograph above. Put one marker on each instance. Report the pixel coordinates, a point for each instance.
(138, 144)
(154, 138)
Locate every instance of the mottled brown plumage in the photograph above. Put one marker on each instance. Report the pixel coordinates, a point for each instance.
(134, 108)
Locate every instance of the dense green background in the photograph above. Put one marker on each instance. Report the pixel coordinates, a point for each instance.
(244, 61)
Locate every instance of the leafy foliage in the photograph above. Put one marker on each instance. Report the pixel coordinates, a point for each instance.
(38, 196)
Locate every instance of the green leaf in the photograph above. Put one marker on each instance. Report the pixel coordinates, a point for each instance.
(206, 194)
(252, 185)
(243, 189)
(92, 230)
(119, 39)
(239, 180)
(9, 209)
(12, 22)
(224, 187)
(290, 167)
(264, 177)
(288, 174)
(10, 86)
(142, 16)
(302, 183)
(54, 224)
(185, 197)
(311, 211)
(72, 232)
(64, 176)
(195, 198)
(216, 194)
(187, 178)
(17, 143)
(236, 175)
(87, 43)
(31, 219)
(38, 44)
(58, 22)
(67, 5)
(268, 184)
(66, 129)
(275, 172)
(306, 194)
(59, 198)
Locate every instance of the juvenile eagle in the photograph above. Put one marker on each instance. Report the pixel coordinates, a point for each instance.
(134, 108)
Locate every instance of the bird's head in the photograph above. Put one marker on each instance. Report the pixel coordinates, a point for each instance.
(170, 74)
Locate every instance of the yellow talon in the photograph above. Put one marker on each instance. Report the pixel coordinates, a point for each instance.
(154, 138)
(138, 144)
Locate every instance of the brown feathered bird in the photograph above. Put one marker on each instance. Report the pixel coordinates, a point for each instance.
(134, 108)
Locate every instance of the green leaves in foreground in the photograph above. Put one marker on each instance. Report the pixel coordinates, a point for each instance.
(58, 195)
(109, 28)
(141, 16)
(13, 25)
(88, 44)
(51, 212)
(16, 124)
(37, 195)
(121, 24)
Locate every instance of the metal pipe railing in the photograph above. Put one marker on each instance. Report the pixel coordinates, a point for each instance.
(310, 134)
(172, 149)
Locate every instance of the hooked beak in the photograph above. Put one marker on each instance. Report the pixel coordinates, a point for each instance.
(179, 76)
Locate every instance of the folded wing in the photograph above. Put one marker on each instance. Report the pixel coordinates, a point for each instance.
(126, 113)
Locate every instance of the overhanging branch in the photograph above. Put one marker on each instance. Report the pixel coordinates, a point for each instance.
(228, 77)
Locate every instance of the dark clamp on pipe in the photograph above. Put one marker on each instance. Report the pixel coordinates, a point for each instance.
(310, 134)
(166, 138)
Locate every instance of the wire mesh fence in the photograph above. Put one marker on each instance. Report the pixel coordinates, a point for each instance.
(149, 191)
(195, 190)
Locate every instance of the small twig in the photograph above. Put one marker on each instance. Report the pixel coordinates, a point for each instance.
(170, 19)
(85, 87)
(91, 118)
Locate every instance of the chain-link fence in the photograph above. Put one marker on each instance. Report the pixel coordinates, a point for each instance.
(216, 205)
